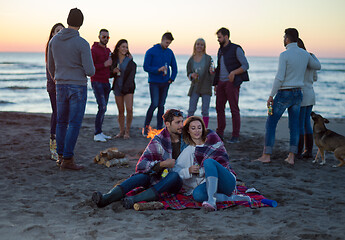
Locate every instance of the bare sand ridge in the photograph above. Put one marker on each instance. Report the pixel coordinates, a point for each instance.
(38, 201)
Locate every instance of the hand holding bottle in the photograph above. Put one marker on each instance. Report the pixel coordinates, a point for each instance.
(212, 67)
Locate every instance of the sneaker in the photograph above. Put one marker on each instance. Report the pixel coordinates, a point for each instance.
(105, 136)
(99, 138)
(234, 140)
(145, 131)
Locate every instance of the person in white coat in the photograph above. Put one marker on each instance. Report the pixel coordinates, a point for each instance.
(306, 130)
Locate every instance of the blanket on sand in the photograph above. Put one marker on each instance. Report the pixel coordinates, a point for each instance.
(179, 201)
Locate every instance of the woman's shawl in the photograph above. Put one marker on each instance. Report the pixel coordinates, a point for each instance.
(213, 148)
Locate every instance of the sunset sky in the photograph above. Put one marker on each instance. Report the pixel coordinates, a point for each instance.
(257, 25)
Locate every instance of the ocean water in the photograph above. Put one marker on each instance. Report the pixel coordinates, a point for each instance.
(23, 87)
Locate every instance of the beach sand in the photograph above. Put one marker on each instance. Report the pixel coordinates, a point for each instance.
(39, 201)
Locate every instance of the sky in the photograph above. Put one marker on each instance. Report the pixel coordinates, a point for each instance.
(257, 25)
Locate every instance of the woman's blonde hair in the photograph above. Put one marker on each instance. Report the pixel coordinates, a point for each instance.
(199, 40)
(186, 136)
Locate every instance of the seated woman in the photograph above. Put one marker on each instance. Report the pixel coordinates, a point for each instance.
(204, 165)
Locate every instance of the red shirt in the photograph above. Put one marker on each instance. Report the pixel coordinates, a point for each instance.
(100, 55)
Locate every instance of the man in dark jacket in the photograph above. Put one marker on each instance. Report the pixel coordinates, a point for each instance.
(231, 71)
(100, 81)
(69, 63)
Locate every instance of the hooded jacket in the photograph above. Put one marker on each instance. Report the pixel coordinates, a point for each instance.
(100, 55)
(69, 58)
(155, 58)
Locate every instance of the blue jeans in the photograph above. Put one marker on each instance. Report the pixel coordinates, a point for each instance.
(193, 102)
(101, 91)
(158, 94)
(304, 120)
(172, 183)
(226, 180)
(71, 102)
(290, 100)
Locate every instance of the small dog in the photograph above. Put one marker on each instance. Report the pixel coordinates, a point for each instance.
(327, 140)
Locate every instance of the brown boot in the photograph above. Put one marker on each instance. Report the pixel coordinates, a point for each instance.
(68, 163)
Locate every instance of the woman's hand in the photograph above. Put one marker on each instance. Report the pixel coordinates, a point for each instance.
(194, 169)
(212, 71)
(116, 70)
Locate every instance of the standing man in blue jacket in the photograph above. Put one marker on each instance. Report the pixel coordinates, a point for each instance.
(157, 63)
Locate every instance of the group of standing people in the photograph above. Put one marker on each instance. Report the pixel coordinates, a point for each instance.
(70, 61)
(159, 63)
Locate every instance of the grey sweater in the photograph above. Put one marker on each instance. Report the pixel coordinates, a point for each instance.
(69, 58)
(292, 66)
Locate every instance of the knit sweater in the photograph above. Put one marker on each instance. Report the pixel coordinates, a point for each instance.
(292, 66)
(205, 80)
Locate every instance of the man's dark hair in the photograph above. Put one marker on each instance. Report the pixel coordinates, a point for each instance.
(224, 31)
(168, 36)
(103, 30)
(170, 114)
(291, 34)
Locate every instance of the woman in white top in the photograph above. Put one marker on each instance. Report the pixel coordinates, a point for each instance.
(306, 130)
(204, 165)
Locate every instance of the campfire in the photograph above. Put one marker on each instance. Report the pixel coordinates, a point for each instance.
(153, 132)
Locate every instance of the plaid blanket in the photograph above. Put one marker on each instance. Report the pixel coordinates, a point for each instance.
(159, 149)
(213, 148)
(179, 201)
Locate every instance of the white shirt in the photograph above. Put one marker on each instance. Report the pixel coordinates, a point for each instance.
(183, 163)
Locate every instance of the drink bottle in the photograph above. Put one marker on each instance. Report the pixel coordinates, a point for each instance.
(166, 69)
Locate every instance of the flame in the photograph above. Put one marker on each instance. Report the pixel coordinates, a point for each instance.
(153, 132)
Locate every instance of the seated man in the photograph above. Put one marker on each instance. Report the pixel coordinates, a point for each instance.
(159, 154)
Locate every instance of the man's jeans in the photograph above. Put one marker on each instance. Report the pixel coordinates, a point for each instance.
(227, 92)
(292, 101)
(172, 183)
(158, 94)
(71, 102)
(226, 180)
(101, 91)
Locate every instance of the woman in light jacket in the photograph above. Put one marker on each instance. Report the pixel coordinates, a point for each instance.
(200, 71)
(204, 166)
(306, 130)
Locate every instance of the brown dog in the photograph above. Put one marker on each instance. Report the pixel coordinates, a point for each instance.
(327, 140)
